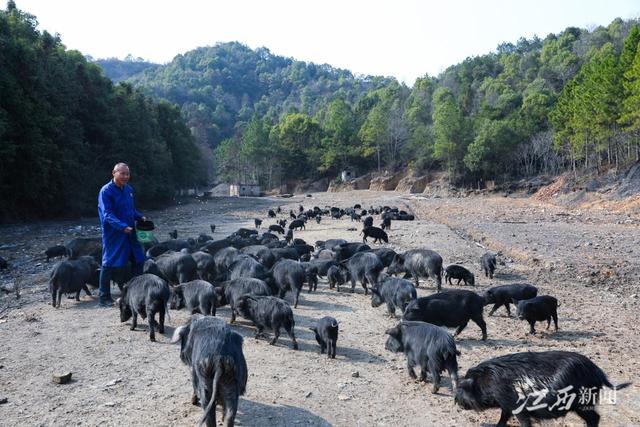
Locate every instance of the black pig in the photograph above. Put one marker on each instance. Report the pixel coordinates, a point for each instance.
(488, 262)
(431, 348)
(326, 331)
(386, 255)
(378, 234)
(386, 223)
(504, 294)
(452, 309)
(55, 251)
(231, 291)
(289, 275)
(538, 309)
(177, 267)
(268, 312)
(71, 276)
(363, 267)
(397, 293)
(297, 223)
(145, 295)
(533, 385)
(337, 276)
(276, 228)
(198, 296)
(418, 263)
(455, 271)
(213, 352)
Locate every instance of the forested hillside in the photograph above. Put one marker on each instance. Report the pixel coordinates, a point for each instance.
(63, 126)
(570, 100)
(121, 69)
(230, 94)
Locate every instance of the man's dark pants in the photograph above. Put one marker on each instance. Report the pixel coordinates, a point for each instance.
(106, 273)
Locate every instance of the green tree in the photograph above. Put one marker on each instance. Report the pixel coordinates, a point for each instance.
(228, 160)
(299, 142)
(187, 168)
(630, 66)
(62, 122)
(419, 148)
(338, 145)
(492, 151)
(450, 132)
(259, 152)
(373, 133)
(537, 102)
(630, 47)
(558, 62)
(589, 107)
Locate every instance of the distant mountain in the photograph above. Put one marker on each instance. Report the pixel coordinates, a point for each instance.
(567, 101)
(121, 69)
(218, 87)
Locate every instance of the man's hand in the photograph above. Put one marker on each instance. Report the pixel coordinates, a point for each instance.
(128, 230)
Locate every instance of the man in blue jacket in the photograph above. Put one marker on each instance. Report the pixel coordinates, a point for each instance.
(117, 220)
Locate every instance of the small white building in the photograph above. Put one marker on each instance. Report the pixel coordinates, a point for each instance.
(244, 190)
(348, 174)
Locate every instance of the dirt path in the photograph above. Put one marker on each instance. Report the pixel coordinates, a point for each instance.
(588, 260)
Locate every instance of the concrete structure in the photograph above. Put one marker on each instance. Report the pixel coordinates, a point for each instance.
(348, 174)
(244, 190)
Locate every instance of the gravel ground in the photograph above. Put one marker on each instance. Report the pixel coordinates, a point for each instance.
(586, 258)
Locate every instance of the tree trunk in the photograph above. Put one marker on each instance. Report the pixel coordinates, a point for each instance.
(586, 155)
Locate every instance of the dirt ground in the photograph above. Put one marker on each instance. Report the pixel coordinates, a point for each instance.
(588, 259)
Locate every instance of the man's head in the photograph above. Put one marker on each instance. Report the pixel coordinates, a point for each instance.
(120, 174)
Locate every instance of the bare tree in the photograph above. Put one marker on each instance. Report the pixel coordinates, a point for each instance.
(539, 155)
(397, 131)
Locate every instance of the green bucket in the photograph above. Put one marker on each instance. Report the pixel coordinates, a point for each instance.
(144, 231)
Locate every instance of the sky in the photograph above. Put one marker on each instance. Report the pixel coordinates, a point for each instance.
(405, 39)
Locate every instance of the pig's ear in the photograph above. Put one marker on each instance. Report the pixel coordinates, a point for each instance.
(176, 335)
(466, 384)
(180, 333)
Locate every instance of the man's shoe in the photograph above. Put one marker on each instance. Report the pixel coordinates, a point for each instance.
(105, 304)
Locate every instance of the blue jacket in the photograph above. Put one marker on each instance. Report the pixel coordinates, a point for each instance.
(116, 211)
